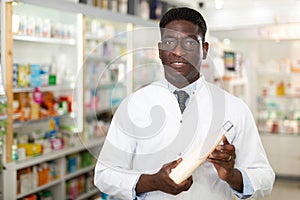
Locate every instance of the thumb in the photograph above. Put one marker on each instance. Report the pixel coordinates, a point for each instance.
(224, 139)
(175, 163)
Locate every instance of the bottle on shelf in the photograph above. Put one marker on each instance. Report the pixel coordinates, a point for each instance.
(34, 177)
(122, 6)
(280, 89)
(15, 155)
(289, 90)
(25, 180)
(144, 10)
(272, 88)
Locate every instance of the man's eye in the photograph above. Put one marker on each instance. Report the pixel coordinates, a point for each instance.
(169, 42)
(191, 42)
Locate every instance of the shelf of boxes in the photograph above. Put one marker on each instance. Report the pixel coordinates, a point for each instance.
(53, 183)
(82, 145)
(58, 157)
(38, 48)
(278, 107)
(277, 110)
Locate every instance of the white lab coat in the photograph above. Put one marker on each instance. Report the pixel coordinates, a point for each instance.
(148, 130)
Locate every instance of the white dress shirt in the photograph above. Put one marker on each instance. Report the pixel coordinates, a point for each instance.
(148, 130)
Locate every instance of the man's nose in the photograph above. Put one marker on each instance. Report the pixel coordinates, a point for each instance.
(179, 50)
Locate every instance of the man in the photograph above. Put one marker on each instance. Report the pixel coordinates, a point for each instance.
(157, 126)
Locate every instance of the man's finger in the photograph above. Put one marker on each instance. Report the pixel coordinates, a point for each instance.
(174, 163)
(224, 139)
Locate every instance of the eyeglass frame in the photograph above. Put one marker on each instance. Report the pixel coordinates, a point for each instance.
(182, 43)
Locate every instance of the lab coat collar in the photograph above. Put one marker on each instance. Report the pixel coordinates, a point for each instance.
(194, 87)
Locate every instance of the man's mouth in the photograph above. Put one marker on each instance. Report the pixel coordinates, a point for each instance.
(177, 64)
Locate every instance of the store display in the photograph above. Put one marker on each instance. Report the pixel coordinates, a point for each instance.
(106, 64)
(278, 92)
(82, 183)
(45, 88)
(275, 116)
(229, 60)
(39, 27)
(40, 105)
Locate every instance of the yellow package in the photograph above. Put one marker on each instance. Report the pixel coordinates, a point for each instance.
(32, 149)
(24, 76)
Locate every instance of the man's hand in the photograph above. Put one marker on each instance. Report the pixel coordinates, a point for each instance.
(223, 158)
(162, 182)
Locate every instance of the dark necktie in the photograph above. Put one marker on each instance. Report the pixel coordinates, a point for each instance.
(181, 97)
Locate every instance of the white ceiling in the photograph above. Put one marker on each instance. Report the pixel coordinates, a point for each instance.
(246, 16)
(245, 12)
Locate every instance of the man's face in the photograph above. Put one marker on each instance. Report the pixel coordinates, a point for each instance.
(181, 52)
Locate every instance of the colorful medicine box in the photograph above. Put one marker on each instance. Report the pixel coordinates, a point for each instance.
(23, 76)
(35, 75)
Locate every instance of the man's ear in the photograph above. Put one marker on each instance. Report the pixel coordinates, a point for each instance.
(205, 48)
(159, 49)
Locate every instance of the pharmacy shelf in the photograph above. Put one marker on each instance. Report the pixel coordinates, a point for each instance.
(55, 182)
(55, 154)
(79, 172)
(91, 57)
(11, 167)
(19, 124)
(279, 134)
(287, 96)
(88, 194)
(263, 72)
(93, 113)
(45, 40)
(235, 81)
(89, 36)
(99, 58)
(92, 11)
(55, 88)
(107, 85)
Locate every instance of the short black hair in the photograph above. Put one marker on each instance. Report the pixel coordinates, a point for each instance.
(184, 13)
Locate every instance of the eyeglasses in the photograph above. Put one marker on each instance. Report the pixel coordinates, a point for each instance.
(186, 43)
